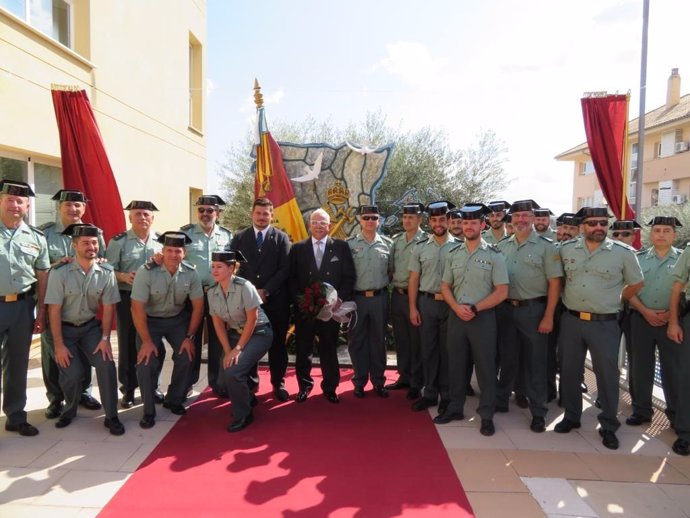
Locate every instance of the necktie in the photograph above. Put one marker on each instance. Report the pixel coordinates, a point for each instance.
(259, 240)
(319, 254)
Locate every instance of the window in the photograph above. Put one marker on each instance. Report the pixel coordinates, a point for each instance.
(195, 84)
(51, 17)
(586, 168)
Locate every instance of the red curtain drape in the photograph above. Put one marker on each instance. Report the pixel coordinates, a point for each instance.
(85, 164)
(605, 126)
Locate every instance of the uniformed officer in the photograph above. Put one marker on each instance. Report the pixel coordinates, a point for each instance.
(623, 230)
(75, 291)
(407, 345)
(542, 222)
(455, 224)
(534, 273)
(569, 226)
(126, 253)
(497, 225)
(71, 208)
(508, 219)
(678, 406)
(367, 336)
(648, 318)
(475, 281)
(428, 311)
(207, 237)
(243, 330)
(159, 301)
(597, 270)
(24, 267)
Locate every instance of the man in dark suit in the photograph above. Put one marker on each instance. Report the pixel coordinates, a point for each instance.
(267, 267)
(319, 258)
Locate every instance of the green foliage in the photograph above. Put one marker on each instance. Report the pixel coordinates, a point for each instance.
(682, 212)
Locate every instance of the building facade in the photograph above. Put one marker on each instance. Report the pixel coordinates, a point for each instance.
(142, 66)
(666, 172)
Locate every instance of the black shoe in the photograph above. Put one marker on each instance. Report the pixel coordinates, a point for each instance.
(583, 387)
(54, 410)
(681, 447)
(253, 401)
(241, 423)
(565, 426)
(127, 400)
(147, 421)
(608, 439)
(281, 394)
(538, 424)
(597, 403)
(24, 429)
(447, 417)
(63, 422)
(398, 385)
(177, 409)
(219, 393)
(381, 391)
(487, 427)
(413, 393)
(89, 402)
(499, 407)
(332, 397)
(469, 391)
(443, 405)
(359, 393)
(521, 401)
(114, 425)
(637, 420)
(302, 396)
(158, 397)
(423, 404)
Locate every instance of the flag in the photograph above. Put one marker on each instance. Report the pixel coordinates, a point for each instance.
(271, 181)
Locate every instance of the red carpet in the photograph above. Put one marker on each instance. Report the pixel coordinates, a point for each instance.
(361, 458)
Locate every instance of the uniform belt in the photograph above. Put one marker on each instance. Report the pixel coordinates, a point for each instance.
(582, 315)
(435, 296)
(369, 293)
(526, 302)
(70, 324)
(16, 297)
(239, 330)
(401, 291)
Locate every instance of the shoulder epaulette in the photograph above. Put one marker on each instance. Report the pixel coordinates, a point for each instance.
(493, 247)
(623, 245)
(569, 241)
(642, 252)
(504, 238)
(549, 239)
(351, 238)
(106, 266)
(120, 236)
(151, 265)
(396, 236)
(36, 230)
(224, 228)
(189, 265)
(187, 227)
(60, 265)
(46, 225)
(455, 248)
(239, 280)
(423, 240)
(387, 240)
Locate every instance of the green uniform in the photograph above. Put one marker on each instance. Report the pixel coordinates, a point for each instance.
(530, 265)
(126, 252)
(489, 237)
(165, 296)
(472, 276)
(232, 308)
(592, 299)
(549, 232)
(23, 251)
(366, 340)
(80, 295)
(427, 259)
(407, 344)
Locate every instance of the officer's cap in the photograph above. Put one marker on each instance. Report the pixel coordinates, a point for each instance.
(368, 209)
(16, 188)
(439, 208)
(592, 212)
(455, 214)
(508, 218)
(210, 199)
(499, 206)
(526, 206)
(665, 220)
(81, 230)
(474, 211)
(174, 238)
(625, 224)
(542, 212)
(567, 218)
(228, 257)
(70, 195)
(141, 205)
(413, 208)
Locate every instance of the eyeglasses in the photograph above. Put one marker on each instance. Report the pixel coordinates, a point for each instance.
(370, 218)
(622, 234)
(319, 223)
(204, 210)
(597, 222)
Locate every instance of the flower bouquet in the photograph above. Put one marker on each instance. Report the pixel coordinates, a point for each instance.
(320, 300)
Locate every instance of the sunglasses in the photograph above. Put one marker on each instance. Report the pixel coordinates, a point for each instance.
(370, 218)
(597, 222)
(204, 210)
(622, 234)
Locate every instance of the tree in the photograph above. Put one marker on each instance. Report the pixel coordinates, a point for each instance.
(421, 158)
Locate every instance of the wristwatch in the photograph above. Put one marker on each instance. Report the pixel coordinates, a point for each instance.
(190, 337)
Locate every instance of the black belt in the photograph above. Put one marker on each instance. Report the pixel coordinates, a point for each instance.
(369, 293)
(525, 302)
(429, 295)
(16, 297)
(401, 291)
(70, 324)
(582, 315)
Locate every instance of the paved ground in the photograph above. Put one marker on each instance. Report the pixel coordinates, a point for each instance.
(74, 472)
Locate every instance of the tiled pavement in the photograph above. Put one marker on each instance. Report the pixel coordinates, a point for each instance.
(514, 473)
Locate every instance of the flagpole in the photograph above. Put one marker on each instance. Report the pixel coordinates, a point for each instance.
(641, 117)
(625, 161)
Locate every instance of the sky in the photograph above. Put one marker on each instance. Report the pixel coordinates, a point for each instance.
(514, 67)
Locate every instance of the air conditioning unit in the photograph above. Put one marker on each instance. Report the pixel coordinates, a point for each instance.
(682, 147)
(679, 198)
